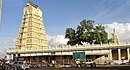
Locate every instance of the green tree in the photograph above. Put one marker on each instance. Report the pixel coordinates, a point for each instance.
(110, 40)
(101, 36)
(70, 34)
(86, 32)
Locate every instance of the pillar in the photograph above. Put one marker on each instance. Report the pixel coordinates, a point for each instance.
(16, 57)
(101, 43)
(8, 57)
(119, 54)
(110, 55)
(128, 53)
(12, 56)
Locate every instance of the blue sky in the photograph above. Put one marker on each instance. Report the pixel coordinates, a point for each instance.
(60, 14)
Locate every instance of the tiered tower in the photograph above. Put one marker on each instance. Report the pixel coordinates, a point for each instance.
(115, 39)
(31, 33)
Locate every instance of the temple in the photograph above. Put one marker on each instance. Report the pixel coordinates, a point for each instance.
(32, 45)
(32, 32)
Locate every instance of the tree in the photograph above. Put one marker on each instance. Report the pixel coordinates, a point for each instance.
(86, 32)
(101, 36)
(70, 34)
(87, 35)
(110, 40)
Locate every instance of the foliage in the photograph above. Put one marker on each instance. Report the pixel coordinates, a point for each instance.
(86, 32)
(110, 40)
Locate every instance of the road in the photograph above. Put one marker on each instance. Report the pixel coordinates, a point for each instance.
(99, 67)
(117, 67)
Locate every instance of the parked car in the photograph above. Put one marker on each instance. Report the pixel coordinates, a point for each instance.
(19, 65)
(90, 62)
(120, 62)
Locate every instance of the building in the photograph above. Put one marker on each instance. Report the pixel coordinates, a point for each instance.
(31, 44)
(32, 32)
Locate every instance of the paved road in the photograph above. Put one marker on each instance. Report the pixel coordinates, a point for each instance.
(119, 67)
(101, 67)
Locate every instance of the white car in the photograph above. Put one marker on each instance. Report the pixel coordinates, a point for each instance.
(120, 61)
(90, 62)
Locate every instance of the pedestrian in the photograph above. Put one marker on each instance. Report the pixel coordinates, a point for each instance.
(77, 63)
(53, 63)
(105, 62)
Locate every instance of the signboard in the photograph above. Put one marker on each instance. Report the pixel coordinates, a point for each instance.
(79, 55)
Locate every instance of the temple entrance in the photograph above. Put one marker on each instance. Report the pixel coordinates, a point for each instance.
(124, 54)
(115, 54)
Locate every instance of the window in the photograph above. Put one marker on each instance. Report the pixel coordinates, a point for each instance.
(29, 29)
(34, 58)
(106, 55)
(30, 9)
(52, 52)
(30, 40)
(30, 34)
(30, 24)
(27, 40)
(18, 54)
(64, 57)
(97, 56)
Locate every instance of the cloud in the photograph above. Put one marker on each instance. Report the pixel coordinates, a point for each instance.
(56, 40)
(6, 40)
(2, 53)
(5, 44)
(122, 30)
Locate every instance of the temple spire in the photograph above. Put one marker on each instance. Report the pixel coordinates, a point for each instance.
(32, 4)
(113, 30)
(115, 39)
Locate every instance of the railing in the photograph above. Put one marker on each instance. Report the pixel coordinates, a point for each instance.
(66, 47)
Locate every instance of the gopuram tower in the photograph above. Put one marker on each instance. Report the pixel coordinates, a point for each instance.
(115, 39)
(32, 32)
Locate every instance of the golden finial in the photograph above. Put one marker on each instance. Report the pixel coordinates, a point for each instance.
(113, 30)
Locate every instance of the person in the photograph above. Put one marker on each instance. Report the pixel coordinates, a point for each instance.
(24, 62)
(105, 62)
(53, 63)
(77, 63)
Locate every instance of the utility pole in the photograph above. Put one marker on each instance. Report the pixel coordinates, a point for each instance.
(0, 14)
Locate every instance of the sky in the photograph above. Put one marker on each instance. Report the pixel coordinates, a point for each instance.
(60, 14)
